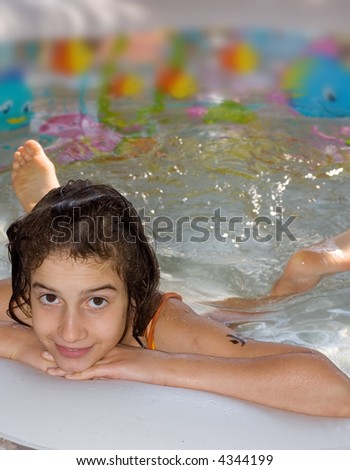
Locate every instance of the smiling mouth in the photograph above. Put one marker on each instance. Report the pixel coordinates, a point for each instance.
(72, 353)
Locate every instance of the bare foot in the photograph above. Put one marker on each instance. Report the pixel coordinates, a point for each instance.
(33, 174)
(303, 271)
(308, 266)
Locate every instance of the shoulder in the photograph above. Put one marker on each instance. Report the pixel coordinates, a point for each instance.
(180, 329)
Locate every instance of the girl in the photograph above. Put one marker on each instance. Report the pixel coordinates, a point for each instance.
(85, 280)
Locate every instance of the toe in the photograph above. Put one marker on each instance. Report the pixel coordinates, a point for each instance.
(18, 159)
(16, 155)
(19, 150)
(16, 165)
(26, 156)
(33, 147)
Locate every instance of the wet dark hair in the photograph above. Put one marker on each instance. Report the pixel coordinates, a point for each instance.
(85, 220)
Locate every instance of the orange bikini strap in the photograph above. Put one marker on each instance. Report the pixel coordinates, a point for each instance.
(152, 323)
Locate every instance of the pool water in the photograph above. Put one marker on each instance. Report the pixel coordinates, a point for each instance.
(188, 178)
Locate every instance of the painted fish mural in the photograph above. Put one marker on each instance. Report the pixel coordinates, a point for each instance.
(79, 137)
(318, 87)
(16, 101)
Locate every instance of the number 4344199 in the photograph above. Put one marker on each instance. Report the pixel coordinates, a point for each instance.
(245, 459)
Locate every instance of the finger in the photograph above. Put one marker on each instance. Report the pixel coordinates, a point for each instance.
(46, 355)
(85, 375)
(56, 371)
(95, 372)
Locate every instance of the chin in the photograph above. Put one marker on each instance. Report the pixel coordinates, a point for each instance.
(71, 366)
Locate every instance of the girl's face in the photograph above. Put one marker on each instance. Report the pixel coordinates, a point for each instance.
(79, 310)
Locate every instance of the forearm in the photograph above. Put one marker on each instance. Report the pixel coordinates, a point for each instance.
(9, 338)
(300, 382)
(21, 344)
(5, 294)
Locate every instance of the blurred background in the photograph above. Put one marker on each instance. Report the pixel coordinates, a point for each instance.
(28, 19)
(152, 52)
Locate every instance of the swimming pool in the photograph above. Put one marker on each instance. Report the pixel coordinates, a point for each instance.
(230, 151)
(184, 177)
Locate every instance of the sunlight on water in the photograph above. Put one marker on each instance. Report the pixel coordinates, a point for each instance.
(186, 178)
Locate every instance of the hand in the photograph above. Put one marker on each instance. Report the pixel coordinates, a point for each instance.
(29, 350)
(123, 362)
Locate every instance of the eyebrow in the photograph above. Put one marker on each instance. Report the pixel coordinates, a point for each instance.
(39, 285)
(103, 287)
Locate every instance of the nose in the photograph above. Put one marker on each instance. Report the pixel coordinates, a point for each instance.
(71, 328)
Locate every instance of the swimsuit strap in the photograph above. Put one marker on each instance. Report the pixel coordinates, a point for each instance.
(150, 328)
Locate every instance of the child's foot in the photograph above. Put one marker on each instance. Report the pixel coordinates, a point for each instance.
(308, 266)
(303, 271)
(33, 174)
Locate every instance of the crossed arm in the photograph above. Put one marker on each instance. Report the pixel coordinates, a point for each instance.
(16, 341)
(198, 353)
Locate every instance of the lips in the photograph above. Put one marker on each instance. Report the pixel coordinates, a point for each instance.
(72, 353)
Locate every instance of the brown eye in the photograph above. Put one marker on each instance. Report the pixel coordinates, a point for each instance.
(49, 299)
(97, 302)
